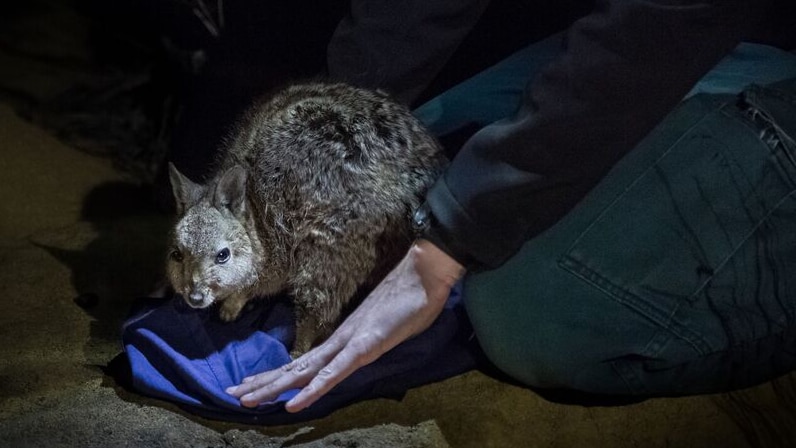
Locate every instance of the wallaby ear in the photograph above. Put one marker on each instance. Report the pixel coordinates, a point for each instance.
(186, 192)
(231, 190)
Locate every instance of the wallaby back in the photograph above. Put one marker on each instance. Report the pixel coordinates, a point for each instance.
(313, 195)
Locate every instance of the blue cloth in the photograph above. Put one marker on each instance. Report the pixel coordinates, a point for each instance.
(189, 357)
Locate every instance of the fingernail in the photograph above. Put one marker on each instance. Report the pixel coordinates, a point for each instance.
(244, 401)
(248, 401)
(231, 389)
(290, 406)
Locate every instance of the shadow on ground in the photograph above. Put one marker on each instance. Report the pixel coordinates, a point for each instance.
(80, 241)
(123, 261)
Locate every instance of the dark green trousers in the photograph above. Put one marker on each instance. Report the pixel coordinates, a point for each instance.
(676, 275)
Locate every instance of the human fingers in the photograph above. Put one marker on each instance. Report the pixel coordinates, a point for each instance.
(267, 386)
(357, 353)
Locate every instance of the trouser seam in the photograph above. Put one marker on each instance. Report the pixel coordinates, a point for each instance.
(662, 320)
(629, 377)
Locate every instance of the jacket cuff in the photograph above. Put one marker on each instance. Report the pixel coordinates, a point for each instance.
(426, 227)
(443, 221)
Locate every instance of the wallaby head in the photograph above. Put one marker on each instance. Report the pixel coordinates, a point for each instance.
(316, 205)
(212, 255)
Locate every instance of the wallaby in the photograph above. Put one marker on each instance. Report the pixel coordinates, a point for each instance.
(313, 197)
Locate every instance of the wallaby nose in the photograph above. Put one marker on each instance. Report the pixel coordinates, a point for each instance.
(196, 297)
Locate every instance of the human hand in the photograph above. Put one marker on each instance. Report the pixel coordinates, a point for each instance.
(404, 304)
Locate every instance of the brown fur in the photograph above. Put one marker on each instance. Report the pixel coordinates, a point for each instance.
(313, 197)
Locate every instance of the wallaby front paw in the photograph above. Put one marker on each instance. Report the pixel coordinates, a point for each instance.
(300, 347)
(230, 310)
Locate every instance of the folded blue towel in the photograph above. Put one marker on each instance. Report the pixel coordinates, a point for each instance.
(190, 357)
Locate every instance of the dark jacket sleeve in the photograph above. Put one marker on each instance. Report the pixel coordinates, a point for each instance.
(624, 67)
(399, 46)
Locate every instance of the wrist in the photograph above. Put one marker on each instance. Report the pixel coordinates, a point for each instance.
(431, 261)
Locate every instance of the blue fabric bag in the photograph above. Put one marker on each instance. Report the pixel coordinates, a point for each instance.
(190, 357)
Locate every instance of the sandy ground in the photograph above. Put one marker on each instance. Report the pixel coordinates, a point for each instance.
(70, 223)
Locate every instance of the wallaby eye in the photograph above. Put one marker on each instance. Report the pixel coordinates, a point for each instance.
(222, 256)
(176, 255)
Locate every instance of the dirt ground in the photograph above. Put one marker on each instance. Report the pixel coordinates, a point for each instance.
(72, 222)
